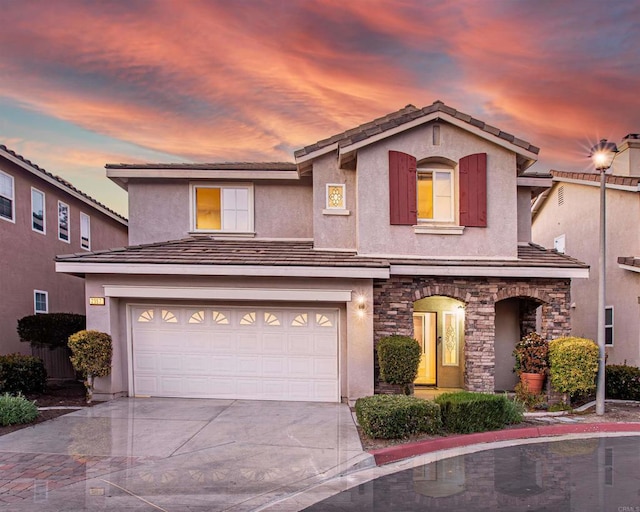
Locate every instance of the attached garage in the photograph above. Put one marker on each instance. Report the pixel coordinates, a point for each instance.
(255, 353)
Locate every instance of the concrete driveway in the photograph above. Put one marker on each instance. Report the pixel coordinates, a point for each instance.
(150, 454)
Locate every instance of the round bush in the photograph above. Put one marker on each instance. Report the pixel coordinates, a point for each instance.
(22, 374)
(91, 353)
(574, 364)
(399, 358)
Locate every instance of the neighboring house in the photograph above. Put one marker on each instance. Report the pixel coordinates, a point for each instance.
(567, 217)
(42, 215)
(275, 281)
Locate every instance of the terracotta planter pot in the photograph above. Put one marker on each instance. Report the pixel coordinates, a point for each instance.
(532, 382)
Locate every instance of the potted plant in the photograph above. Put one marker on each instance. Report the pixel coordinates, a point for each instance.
(532, 361)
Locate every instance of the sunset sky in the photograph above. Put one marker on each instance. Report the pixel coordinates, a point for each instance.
(85, 83)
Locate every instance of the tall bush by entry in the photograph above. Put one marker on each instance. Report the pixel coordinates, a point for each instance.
(573, 365)
(399, 358)
(50, 330)
(91, 353)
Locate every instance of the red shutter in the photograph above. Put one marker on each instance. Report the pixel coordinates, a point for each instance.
(403, 207)
(473, 190)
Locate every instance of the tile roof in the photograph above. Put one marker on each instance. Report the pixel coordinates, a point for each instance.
(206, 250)
(630, 181)
(630, 261)
(531, 255)
(225, 166)
(64, 183)
(405, 115)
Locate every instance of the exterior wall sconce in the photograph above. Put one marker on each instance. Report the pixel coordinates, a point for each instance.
(361, 306)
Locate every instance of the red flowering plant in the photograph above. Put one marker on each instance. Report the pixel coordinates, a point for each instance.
(532, 354)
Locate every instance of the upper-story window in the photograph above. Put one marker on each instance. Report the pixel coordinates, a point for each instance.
(7, 206)
(38, 221)
(435, 195)
(85, 231)
(63, 222)
(225, 208)
(428, 194)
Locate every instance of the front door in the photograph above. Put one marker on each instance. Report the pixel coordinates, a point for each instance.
(424, 330)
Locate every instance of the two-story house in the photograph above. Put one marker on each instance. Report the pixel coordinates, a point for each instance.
(566, 217)
(42, 215)
(275, 280)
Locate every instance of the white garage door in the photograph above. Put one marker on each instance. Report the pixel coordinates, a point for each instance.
(247, 353)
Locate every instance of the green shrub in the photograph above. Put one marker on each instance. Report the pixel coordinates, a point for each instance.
(574, 364)
(464, 412)
(399, 358)
(51, 330)
(16, 410)
(397, 416)
(91, 356)
(622, 382)
(22, 374)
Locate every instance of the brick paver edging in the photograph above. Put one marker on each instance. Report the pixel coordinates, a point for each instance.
(394, 453)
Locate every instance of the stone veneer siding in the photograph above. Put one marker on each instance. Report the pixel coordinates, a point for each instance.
(393, 313)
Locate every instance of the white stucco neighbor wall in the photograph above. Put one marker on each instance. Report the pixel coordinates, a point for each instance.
(377, 236)
(578, 219)
(355, 332)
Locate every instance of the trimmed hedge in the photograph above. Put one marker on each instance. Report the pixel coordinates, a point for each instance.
(50, 330)
(464, 412)
(574, 364)
(22, 374)
(16, 410)
(399, 358)
(397, 416)
(622, 382)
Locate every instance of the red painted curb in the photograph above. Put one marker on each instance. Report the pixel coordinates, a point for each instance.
(396, 453)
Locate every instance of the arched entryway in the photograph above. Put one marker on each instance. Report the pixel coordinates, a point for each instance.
(514, 318)
(438, 325)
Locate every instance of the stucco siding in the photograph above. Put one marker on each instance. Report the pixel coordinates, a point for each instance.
(160, 210)
(578, 219)
(27, 257)
(377, 236)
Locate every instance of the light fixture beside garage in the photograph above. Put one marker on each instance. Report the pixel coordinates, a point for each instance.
(361, 306)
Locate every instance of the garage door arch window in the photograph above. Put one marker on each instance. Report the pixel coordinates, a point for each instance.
(248, 318)
(146, 316)
(197, 317)
(168, 317)
(300, 320)
(220, 318)
(271, 319)
(323, 320)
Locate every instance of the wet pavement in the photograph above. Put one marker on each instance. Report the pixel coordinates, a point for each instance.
(598, 474)
(176, 455)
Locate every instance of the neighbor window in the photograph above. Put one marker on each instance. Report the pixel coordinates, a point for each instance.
(335, 196)
(37, 211)
(223, 208)
(7, 210)
(608, 325)
(435, 195)
(63, 221)
(40, 301)
(85, 231)
(559, 243)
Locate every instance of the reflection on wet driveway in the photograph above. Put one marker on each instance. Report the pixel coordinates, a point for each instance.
(596, 474)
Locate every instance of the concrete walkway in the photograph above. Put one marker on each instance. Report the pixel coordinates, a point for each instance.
(177, 455)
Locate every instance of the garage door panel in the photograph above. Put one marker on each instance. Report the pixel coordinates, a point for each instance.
(246, 353)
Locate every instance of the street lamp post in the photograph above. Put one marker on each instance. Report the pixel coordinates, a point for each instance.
(602, 155)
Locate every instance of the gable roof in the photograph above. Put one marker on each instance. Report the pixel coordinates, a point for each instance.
(59, 182)
(407, 118)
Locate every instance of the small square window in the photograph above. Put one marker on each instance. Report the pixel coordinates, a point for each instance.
(336, 196)
(40, 301)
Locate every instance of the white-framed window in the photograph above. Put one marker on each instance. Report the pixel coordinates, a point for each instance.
(38, 220)
(336, 199)
(40, 301)
(608, 326)
(7, 194)
(223, 208)
(435, 191)
(64, 233)
(559, 243)
(85, 231)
